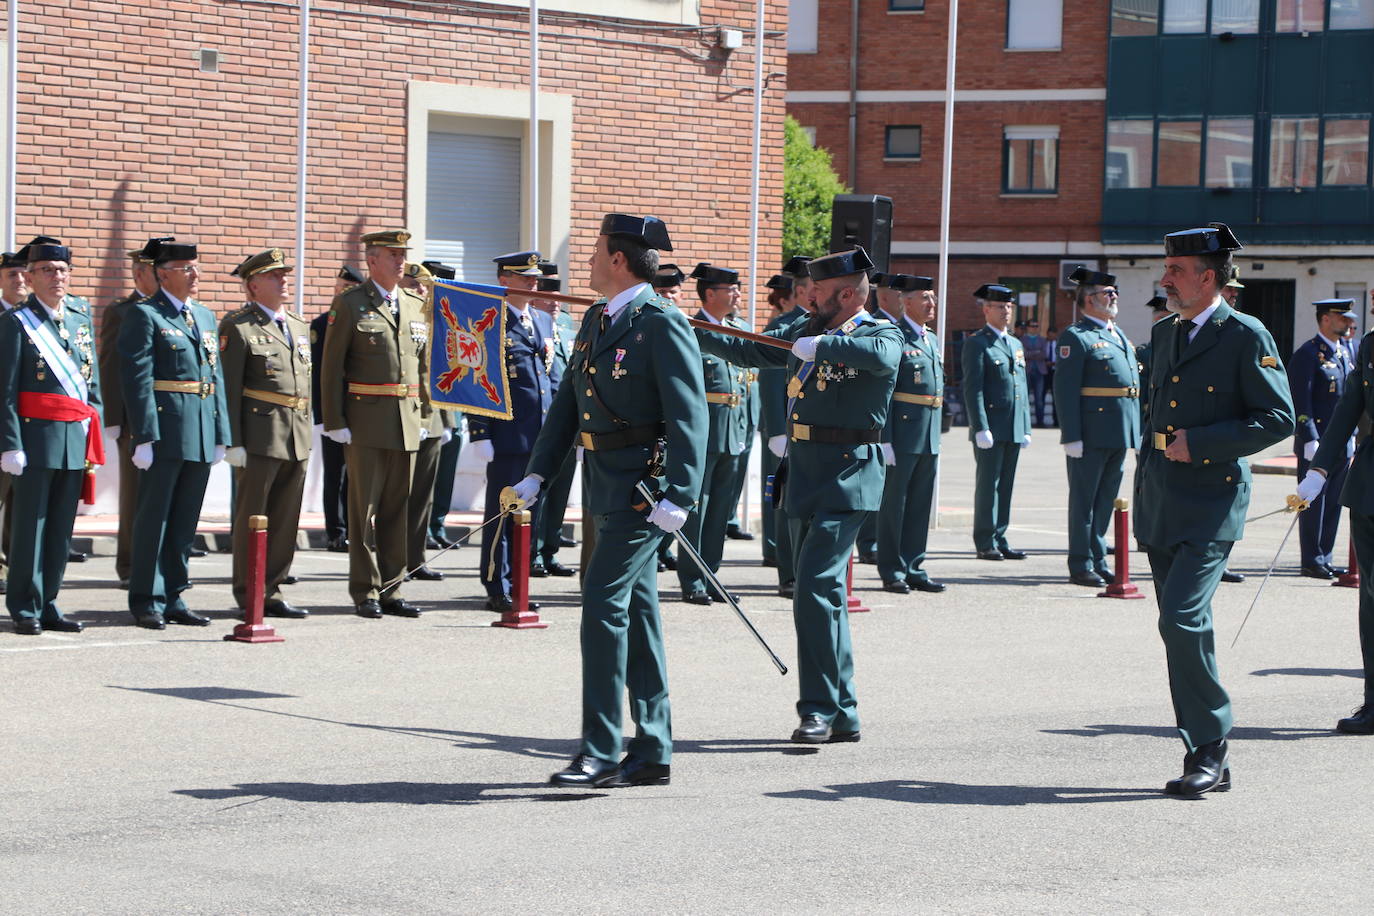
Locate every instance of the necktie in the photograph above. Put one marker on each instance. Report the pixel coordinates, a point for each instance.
(390, 300)
(281, 328)
(190, 321)
(605, 320)
(1181, 329)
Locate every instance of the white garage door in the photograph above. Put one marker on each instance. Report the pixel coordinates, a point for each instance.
(473, 201)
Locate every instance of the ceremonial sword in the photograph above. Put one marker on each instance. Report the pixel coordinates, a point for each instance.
(458, 543)
(1295, 505)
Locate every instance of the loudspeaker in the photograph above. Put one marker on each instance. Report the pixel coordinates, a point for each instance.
(863, 219)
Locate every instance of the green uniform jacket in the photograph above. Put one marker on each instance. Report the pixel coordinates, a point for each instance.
(773, 383)
(914, 429)
(155, 344)
(56, 444)
(850, 388)
(995, 395)
(646, 369)
(1090, 356)
(729, 424)
(1356, 402)
(1229, 391)
(112, 390)
(256, 356)
(365, 344)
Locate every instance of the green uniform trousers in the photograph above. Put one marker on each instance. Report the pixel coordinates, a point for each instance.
(421, 500)
(1362, 533)
(272, 487)
(867, 540)
(170, 494)
(994, 477)
(904, 520)
(378, 503)
(548, 534)
(1186, 576)
(622, 642)
(6, 483)
(782, 530)
(128, 507)
(705, 528)
(42, 507)
(1094, 481)
(825, 658)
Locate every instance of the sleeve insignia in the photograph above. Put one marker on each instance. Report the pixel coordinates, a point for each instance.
(1269, 362)
(331, 316)
(1064, 352)
(223, 342)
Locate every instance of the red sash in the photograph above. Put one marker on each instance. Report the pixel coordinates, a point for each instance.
(44, 406)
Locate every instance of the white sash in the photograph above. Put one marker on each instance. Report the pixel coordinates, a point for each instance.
(64, 367)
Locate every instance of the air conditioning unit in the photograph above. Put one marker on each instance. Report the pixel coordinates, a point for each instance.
(1068, 267)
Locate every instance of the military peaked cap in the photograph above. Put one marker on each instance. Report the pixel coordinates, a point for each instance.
(647, 230)
(840, 264)
(1343, 307)
(709, 274)
(1215, 237)
(261, 263)
(992, 292)
(1084, 277)
(668, 275)
(350, 273)
(388, 238)
(523, 263)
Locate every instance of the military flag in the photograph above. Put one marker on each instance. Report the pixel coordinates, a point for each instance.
(468, 358)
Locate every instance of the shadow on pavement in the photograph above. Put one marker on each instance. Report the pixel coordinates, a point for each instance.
(1310, 672)
(1239, 733)
(393, 793)
(952, 793)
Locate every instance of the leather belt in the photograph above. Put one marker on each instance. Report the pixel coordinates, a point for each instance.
(397, 390)
(204, 389)
(1109, 392)
(834, 435)
(720, 397)
(281, 400)
(925, 400)
(621, 438)
(1161, 440)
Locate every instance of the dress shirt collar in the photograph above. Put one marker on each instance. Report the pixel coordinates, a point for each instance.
(1203, 317)
(386, 293)
(998, 331)
(176, 303)
(54, 313)
(707, 316)
(274, 316)
(623, 298)
(920, 329)
(1335, 347)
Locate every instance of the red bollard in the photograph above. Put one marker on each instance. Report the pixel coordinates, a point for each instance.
(253, 629)
(1351, 577)
(854, 605)
(1121, 586)
(520, 617)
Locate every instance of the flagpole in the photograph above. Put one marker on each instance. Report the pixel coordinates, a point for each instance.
(12, 123)
(946, 182)
(302, 134)
(534, 124)
(754, 201)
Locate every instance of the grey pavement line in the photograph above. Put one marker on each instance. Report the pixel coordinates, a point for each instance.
(77, 644)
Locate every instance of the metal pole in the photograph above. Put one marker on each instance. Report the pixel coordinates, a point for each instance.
(534, 123)
(853, 95)
(946, 180)
(12, 120)
(754, 199)
(302, 135)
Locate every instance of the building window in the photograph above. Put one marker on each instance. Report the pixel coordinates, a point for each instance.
(1352, 14)
(1293, 152)
(1230, 152)
(1300, 15)
(1030, 157)
(1135, 17)
(1345, 151)
(1035, 25)
(905, 6)
(1182, 17)
(1034, 300)
(810, 134)
(1180, 154)
(1130, 153)
(1240, 17)
(802, 26)
(903, 142)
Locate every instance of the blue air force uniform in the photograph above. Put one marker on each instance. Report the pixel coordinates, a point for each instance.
(549, 533)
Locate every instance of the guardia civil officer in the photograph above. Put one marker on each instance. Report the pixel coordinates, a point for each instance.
(911, 438)
(14, 290)
(373, 388)
(995, 398)
(548, 535)
(729, 430)
(505, 445)
(632, 398)
(843, 366)
(1317, 379)
(1217, 393)
(49, 433)
(334, 476)
(1356, 405)
(436, 534)
(1096, 387)
(265, 354)
(179, 427)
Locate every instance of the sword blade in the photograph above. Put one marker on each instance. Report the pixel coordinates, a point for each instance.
(458, 543)
(1267, 573)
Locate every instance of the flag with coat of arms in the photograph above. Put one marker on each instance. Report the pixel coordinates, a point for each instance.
(468, 357)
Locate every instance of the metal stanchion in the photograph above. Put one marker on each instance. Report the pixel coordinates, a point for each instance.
(854, 605)
(520, 617)
(253, 629)
(1351, 577)
(1121, 586)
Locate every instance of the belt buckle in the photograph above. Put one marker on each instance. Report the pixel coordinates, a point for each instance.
(1132, 392)
(588, 442)
(801, 432)
(205, 389)
(1161, 441)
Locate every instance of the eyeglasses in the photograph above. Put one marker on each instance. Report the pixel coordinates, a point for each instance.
(52, 271)
(188, 269)
(1110, 293)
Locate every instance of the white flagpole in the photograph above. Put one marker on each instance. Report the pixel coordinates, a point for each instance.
(302, 133)
(946, 180)
(534, 124)
(12, 121)
(754, 200)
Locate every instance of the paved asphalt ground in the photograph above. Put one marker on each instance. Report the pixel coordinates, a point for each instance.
(1016, 733)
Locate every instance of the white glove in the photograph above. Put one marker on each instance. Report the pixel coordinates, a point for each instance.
(112, 432)
(319, 428)
(804, 348)
(668, 516)
(218, 456)
(889, 453)
(483, 449)
(236, 457)
(341, 436)
(778, 445)
(580, 452)
(1309, 450)
(142, 457)
(1312, 485)
(424, 434)
(983, 438)
(1025, 443)
(1072, 449)
(446, 437)
(528, 489)
(14, 462)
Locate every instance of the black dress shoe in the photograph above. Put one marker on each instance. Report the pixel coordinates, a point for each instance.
(124, 584)
(187, 618)
(843, 737)
(28, 626)
(283, 609)
(868, 557)
(1105, 574)
(556, 568)
(499, 603)
(1206, 769)
(149, 620)
(769, 563)
(925, 585)
(1009, 554)
(399, 607)
(697, 598)
(662, 567)
(1361, 722)
(1317, 572)
(425, 574)
(337, 545)
(1228, 576)
(75, 556)
(197, 552)
(736, 533)
(1335, 570)
(812, 730)
(668, 561)
(432, 543)
(1088, 578)
(990, 555)
(370, 608)
(635, 772)
(583, 772)
(61, 624)
(538, 570)
(290, 580)
(897, 587)
(787, 590)
(719, 598)
(566, 541)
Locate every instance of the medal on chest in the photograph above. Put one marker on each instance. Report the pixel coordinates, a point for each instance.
(207, 340)
(618, 370)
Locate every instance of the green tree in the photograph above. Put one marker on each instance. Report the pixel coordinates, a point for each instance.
(809, 186)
